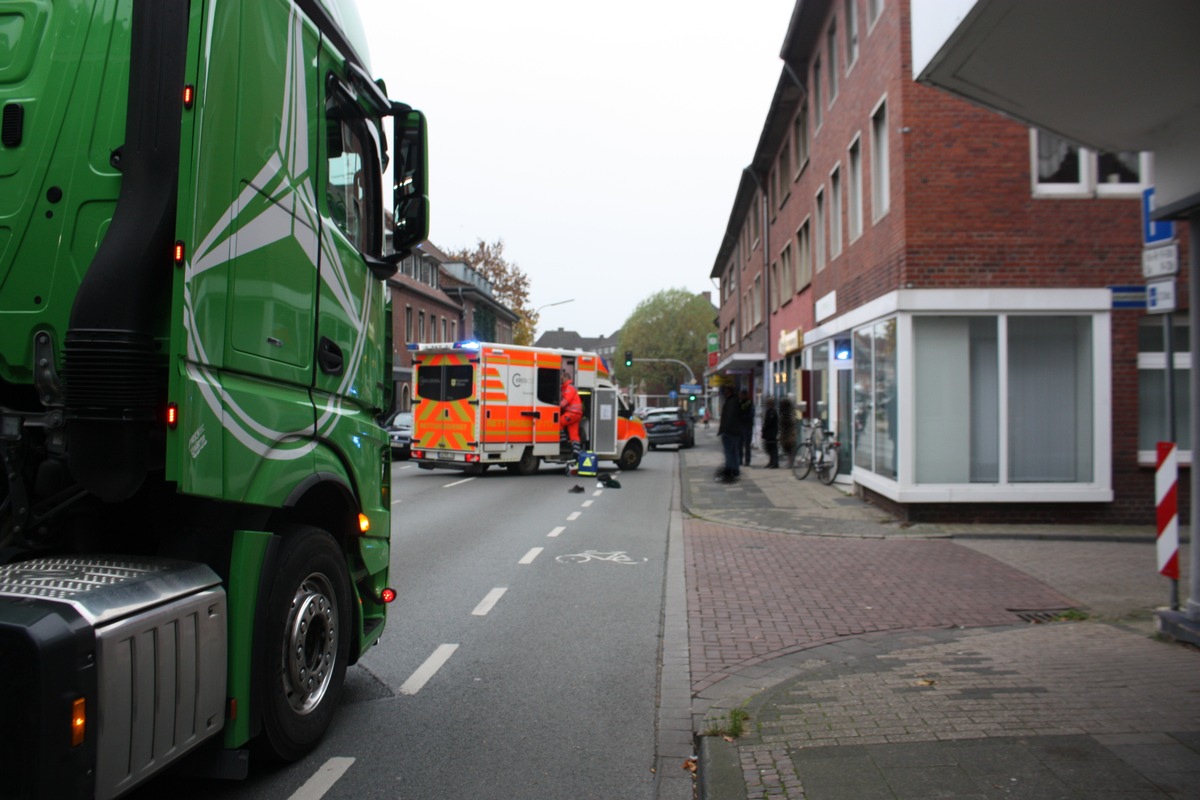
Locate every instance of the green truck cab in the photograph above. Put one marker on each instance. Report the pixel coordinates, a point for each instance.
(195, 352)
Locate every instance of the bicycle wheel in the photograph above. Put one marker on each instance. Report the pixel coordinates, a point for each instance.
(827, 469)
(803, 462)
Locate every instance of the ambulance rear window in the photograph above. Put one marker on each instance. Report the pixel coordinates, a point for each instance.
(444, 383)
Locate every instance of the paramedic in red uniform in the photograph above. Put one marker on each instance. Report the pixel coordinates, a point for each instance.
(572, 413)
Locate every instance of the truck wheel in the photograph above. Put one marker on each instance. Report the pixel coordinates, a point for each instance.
(631, 456)
(528, 464)
(307, 642)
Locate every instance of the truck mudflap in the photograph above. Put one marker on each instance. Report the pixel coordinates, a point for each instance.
(112, 668)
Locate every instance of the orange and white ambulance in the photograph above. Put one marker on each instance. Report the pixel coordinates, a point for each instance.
(479, 404)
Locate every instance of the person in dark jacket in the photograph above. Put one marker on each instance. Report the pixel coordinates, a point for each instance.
(770, 432)
(787, 429)
(746, 422)
(730, 431)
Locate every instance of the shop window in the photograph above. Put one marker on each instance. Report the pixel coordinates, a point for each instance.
(1152, 387)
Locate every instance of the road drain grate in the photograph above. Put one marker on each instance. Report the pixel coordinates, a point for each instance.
(1039, 616)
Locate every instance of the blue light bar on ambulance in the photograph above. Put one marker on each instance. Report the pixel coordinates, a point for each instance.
(466, 344)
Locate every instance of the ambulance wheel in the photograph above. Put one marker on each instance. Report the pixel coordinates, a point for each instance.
(528, 464)
(631, 456)
(307, 642)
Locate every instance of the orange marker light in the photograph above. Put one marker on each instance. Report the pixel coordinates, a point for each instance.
(179, 253)
(78, 721)
(364, 524)
(189, 95)
(172, 415)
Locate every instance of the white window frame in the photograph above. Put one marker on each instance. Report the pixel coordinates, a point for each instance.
(831, 48)
(854, 188)
(852, 41)
(835, 211)
(804, 255)
(907, 303)
(874, 12)
(1157, 362)
(881, 180)
(1088, 185)
(819, 234)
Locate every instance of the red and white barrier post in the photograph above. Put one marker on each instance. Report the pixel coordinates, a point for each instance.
(1166, 500)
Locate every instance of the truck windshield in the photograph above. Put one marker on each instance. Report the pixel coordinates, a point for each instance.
(443, 383)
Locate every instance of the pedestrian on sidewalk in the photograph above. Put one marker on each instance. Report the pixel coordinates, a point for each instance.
(746, 425)
(787, 429)
(730, 431)
(770, 432)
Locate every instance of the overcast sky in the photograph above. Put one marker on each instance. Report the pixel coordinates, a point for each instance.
(603, 142)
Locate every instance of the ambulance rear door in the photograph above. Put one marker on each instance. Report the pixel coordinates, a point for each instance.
(604, 420)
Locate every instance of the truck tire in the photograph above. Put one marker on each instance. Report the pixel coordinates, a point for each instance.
(307, 642)
(631, 456)
(528, 464)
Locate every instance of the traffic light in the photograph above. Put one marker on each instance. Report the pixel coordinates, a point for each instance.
(692, 397)
(629, 358)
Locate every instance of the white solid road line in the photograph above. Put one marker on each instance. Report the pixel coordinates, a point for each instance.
(320, 783)
(574, 515)
(489, 602)
(418, 679)
(456, 483)
(554, 533)
(531, 555)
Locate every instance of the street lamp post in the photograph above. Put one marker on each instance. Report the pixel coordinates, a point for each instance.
(537, 310)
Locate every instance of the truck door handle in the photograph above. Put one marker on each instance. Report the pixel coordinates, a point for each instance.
(534, 414)
(330, 357)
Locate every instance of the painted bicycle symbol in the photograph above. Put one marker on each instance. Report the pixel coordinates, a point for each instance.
(615, 557)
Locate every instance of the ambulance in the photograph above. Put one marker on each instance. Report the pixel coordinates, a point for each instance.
(479, 404)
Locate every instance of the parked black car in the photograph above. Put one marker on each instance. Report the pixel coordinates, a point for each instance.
(399, 429)
(670, 426)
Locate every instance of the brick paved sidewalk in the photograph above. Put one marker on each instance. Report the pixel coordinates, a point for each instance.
(875, 661)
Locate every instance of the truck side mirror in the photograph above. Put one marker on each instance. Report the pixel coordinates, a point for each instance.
(410, 188)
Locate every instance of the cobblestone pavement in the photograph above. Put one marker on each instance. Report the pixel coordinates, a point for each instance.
(880, 660)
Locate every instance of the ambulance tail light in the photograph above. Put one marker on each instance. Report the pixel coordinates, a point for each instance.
(472, 458)
(418, 454)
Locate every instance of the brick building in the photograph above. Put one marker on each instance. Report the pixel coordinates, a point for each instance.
(936, 287)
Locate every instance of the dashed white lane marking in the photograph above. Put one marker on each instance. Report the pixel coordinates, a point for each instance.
(597, 493)
(531, 555)
(554, 533)
(457, 483)
(489, 602)
(574, 515)
(418, 679)
(324, 779)
(587, 503)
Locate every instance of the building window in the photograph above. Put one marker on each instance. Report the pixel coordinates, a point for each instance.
(755, 213)
(758, 301)
(875, 402)
(408, 329)
(880, 182)
(783, 174)
(800, 138)
(851, 15)
(835, 213)
(421, 326)
(773, 289)
(772, 192)
(854, 203)
(831, 49)
(819, 226)
(874, 9)
(787, 289)
(1005, 399)
(1063, 169)
(804, 267)
(817, 106)
(1152, 387)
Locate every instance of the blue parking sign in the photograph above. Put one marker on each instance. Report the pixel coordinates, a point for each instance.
(1154, 231)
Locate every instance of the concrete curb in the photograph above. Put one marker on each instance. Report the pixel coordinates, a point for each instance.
(720, 770)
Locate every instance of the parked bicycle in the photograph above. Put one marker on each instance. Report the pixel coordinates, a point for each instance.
(818, 450)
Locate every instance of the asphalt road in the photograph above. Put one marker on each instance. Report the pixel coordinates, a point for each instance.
(520, 657)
